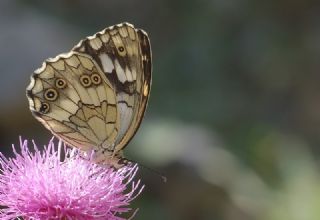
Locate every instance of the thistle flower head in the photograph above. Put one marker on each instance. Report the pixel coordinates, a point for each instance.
(38, 185)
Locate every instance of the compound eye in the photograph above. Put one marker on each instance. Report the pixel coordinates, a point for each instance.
(85, 80)
(44, 108)
(51, 94)
(96, 78)
(60, 83)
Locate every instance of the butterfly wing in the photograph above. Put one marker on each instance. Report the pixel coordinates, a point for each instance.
(95, 96)
(124, 55)
(72, 98)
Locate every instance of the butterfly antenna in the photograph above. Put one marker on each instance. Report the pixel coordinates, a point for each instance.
(163, 177)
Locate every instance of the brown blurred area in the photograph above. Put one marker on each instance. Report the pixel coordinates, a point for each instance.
(233, 120)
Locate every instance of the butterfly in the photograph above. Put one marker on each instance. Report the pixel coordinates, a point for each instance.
(95, 96)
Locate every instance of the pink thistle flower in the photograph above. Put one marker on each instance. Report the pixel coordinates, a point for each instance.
(40, 186)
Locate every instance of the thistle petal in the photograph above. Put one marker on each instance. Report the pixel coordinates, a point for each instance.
(37, 184)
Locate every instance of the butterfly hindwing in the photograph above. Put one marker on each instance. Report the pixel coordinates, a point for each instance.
(94, 97)
(72, 98)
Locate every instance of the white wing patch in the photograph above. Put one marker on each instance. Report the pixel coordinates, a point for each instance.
(125, 118)
(120, 72)
(129, 75)
(107, 63)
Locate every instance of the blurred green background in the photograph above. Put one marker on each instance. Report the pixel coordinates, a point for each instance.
(234, 115)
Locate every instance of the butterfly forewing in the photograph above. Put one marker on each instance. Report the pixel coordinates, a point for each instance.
(124, 55)
(95, 96)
